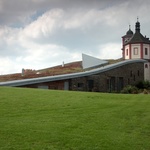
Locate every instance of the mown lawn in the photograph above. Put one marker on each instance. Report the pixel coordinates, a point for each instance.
(32, 119)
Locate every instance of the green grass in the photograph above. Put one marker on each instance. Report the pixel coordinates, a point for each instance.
(32, 119)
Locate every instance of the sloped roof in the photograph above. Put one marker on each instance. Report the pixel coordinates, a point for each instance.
(139, 38)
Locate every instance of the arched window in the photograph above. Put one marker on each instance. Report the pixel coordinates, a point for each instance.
(146, 65)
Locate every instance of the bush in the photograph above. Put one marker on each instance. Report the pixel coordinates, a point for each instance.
(130, 90)
(143, 84)
(140, 85)
(146, 84)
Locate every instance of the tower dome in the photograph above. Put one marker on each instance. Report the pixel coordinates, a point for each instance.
(129, 32)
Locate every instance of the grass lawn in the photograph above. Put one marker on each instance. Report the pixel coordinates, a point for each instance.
(32, 119)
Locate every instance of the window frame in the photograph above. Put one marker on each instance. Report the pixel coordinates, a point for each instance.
(135, 51)
(127, 52)
(146, 51)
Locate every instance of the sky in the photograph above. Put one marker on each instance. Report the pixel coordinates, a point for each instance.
(37, 34)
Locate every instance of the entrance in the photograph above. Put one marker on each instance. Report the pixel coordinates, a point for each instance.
(90, 85)
(66, 85)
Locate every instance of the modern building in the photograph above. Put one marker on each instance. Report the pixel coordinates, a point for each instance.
(134, 67)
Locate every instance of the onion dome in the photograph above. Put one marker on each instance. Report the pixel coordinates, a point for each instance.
(129, 32)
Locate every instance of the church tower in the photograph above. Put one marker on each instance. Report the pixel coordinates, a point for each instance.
(125, 39)
(137, 46)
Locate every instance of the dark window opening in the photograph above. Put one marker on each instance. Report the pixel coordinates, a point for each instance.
(138, 73)
(131, 73)
(111, 84)
(127, 52)
(128, 81)
(90, 85)
(120, 83)
(134, 77)
(146, 51)
(146, 66)
(80, 85)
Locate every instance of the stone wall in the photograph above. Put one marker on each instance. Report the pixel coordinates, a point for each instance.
(110, 81)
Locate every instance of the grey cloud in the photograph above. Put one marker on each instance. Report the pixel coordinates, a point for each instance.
(18, 12)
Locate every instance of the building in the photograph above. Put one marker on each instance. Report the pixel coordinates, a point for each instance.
(134, 67)
(136, 46)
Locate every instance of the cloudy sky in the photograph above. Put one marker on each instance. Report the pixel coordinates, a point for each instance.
(36, 34)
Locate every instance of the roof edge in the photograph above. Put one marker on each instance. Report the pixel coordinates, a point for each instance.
(24, 82)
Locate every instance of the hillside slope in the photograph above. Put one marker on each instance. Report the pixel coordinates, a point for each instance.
(60, 120)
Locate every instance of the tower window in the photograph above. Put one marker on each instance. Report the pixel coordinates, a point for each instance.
(146, 66)
(127, 52)
(146, 51)
(135, 51)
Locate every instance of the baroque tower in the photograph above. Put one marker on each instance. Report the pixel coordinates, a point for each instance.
(137, 46)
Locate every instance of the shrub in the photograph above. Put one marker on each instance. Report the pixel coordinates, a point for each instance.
(146, 84)
(130, 90)
(143, 84)
(140, 85)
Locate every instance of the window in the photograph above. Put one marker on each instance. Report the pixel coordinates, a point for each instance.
(90, 85)
(80, 85)
(127, 52)
(146, 51)
(138, 73)
(146, 66)
(131, 73)
(134, 77)
(128, 81)
(135, 51)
